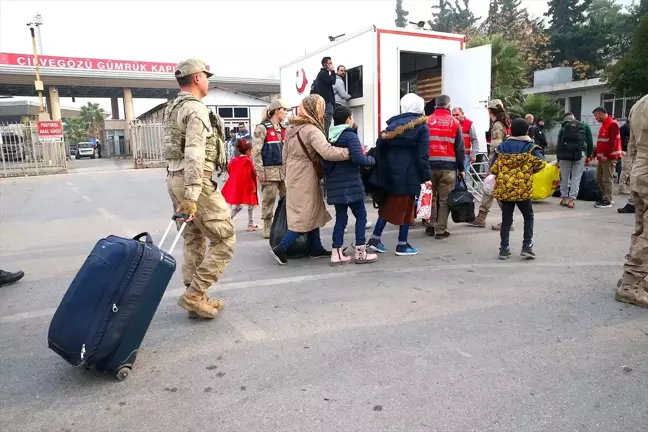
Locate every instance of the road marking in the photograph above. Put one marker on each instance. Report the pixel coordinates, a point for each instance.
(227, 286)
(87, 198)
(245, 327)
(75, 189)
(105, 213)
(70, 184)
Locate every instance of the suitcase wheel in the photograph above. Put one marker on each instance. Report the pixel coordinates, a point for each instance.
(123, 373)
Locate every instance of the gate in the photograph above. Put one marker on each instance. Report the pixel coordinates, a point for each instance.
(24, 154)
(147, 144)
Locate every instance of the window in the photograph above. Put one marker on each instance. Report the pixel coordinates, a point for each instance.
(234, 112)
(354, 82)
(618, 106)
(561, 103)
(575, 106)
(226, 112)
(241, 113)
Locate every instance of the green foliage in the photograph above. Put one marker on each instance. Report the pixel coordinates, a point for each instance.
(541, 106)
(94, 117)
(401, 14)
(453, 18)
(630, 74)
(75, 129)
(508, 68)
(25, 120)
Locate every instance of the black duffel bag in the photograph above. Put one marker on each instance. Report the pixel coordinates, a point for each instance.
(589, 189)
(461, 203)
(301, 247)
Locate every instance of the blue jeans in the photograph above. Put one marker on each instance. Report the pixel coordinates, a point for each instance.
(313, 238)
(342, 218)
(403, 231)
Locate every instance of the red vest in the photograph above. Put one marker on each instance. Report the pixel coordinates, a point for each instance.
(443, 131)
(273, 146)
(608, 146)
(465, 129)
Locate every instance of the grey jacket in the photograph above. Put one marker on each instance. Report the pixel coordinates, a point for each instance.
(339, 90)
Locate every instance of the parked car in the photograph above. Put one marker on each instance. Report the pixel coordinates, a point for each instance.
(13, 146)
(85, 149)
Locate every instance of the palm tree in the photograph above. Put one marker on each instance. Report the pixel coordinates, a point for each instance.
(508, 68)
(75, 129)
(541, 106)
(94, 116)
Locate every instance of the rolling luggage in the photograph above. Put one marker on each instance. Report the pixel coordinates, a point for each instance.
(106, 311)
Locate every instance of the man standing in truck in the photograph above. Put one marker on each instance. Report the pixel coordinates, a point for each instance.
(323, 86)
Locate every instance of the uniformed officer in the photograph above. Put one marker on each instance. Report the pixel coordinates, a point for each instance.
(633, 288)
(268, 142)
(194, 148)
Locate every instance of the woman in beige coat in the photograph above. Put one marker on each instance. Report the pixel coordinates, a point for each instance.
(304, 146)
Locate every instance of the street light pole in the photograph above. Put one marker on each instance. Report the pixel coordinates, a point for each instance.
(38, 84)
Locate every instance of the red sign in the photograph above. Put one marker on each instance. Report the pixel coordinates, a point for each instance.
(300, 80)
(86, 63)
(50, 128)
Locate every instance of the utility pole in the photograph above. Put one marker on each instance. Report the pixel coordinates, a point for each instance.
(38, 84)
(38, 22)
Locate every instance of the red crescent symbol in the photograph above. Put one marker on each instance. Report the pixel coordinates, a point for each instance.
(302, 87)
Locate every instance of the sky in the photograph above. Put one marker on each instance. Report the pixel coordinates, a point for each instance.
(243, 38)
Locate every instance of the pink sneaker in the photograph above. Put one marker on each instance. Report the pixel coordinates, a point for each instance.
(364, 257)
(338, 257)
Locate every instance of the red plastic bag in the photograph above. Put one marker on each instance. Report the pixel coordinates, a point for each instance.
(424, 210)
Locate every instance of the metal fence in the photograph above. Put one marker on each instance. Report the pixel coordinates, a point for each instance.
(146, 142)
(24, 154)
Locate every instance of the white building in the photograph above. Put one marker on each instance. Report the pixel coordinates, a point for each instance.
(233, 106)
(579, 97)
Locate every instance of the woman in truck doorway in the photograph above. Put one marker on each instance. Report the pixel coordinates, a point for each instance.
(304, 148)
(402, 154)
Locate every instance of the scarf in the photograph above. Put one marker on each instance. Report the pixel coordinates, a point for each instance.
(311, 110)
(411, 103)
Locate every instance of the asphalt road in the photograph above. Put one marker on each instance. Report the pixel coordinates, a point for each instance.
(450, 340)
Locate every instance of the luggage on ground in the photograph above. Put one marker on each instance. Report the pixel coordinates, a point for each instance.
(545, 182)
(301, 247)
(461, 203)
(589, 189)
(106, 311)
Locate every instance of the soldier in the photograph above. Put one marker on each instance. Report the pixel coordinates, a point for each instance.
(633, 288)
(268, 143)
(194, 148)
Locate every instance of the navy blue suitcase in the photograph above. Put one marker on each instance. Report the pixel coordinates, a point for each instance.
(106, 311)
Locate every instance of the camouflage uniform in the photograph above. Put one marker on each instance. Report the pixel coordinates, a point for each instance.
(624, 178)
(633, 288)
(274, 180)
(192, 149)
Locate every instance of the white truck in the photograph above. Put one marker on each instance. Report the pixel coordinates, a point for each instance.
(385, 64)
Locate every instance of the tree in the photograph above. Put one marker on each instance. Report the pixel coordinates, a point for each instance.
(453, 18)
(75, 129)
(568, 40)
(94, 116)
(508, 68)
(25, 120)
(630, 74)
(604, 28)
(401, 14)
(634, 14)
(541, 106)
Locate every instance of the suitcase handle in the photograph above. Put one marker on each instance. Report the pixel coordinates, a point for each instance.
(168, 229)
(149, 239)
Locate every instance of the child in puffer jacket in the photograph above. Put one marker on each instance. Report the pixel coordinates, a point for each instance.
(344, 187)
(515, 161)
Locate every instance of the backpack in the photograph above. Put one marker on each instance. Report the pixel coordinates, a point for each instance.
(313, 89)
(572, 141)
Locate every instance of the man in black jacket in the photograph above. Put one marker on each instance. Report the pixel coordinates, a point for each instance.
(324, 87)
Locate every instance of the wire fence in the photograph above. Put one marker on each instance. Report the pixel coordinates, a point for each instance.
(24, 154)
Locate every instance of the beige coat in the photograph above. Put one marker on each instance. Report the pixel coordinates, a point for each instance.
(305, 208)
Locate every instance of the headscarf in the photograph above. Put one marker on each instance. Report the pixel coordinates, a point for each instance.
(411, 103)
(311, 110)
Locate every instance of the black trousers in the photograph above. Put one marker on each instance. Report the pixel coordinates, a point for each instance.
(508, 207)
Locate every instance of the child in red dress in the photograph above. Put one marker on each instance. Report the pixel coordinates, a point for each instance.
(241, 186)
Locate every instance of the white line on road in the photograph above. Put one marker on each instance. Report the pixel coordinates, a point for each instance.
(105, 213)
(87, 198)
(75, 189)
(227, 286)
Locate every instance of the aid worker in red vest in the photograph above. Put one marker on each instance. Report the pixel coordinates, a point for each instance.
(471, 143)
(268, 143)
(447, 155)
(608, 150)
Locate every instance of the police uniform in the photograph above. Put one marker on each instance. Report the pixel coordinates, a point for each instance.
(268, 160)
(633, 288)
(194, 149)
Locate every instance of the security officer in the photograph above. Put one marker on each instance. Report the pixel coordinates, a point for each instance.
(194, 148)
(268, 143)
(633, 288)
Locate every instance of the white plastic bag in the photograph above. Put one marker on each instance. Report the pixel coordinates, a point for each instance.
(489, 184)
(424, 204)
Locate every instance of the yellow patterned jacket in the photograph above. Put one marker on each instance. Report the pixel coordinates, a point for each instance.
(514, 163)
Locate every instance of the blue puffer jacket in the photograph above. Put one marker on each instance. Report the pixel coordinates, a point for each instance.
(343, 180)
(402, 161)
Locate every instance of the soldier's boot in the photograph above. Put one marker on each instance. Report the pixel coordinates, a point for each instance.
(197, 303)
(632, 290)
(217, 303)
(267, 224)
(480, 220)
